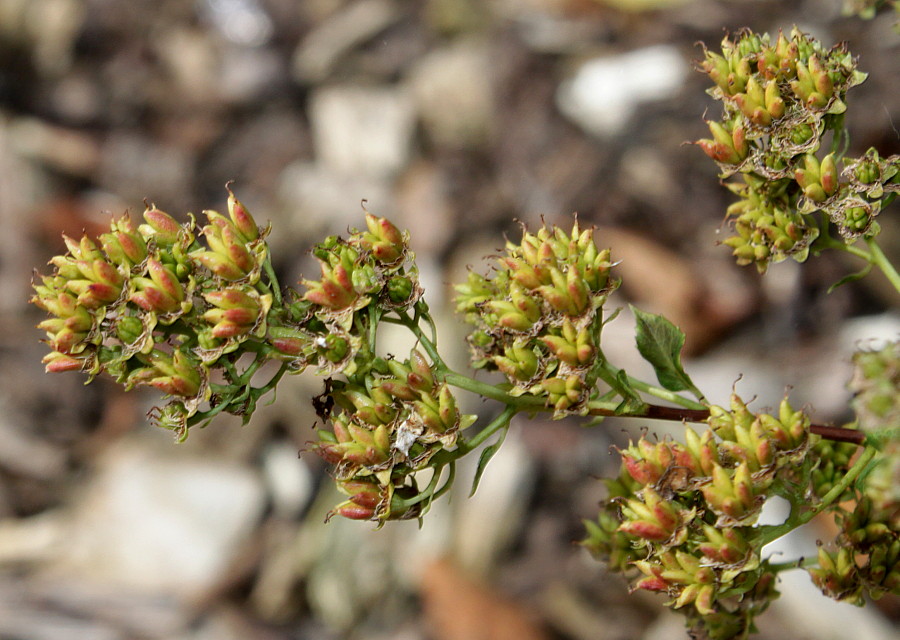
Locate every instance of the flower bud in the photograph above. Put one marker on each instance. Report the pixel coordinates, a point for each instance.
(241, 219)
(837, 576)
(383, 239)
(57, 362)
(652, 519)
(161, 292)
(399, 289)
(160, 227)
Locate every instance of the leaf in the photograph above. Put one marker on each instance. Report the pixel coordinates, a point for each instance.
(853, 277)
(486, 456)
(612, 316)
(659, 343)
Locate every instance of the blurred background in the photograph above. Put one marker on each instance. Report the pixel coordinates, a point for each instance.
(454, 118)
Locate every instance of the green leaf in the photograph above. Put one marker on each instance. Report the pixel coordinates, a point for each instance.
(486, 456)
(659, 343)
(853, 277)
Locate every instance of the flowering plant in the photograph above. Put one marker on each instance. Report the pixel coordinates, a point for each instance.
(197, 311)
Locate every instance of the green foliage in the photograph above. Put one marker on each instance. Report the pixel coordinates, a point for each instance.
(660, 343)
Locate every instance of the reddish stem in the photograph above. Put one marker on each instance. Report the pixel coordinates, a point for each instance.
(838, 434)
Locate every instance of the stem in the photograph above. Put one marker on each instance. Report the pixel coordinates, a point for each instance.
(851, 475)
(494, 393)
(427, 344)
(838, 434)
(799, 518)
(422, 312)
(401, 504)
(799, 563)
(690, 411)
(874, 256)
(880, 260)
(495, 425)
(652, 411)
(612, 376)
(273, 280)
(855, 251)
(464, 447)
(665, 394)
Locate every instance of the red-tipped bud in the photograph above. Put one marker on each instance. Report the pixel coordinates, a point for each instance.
(161, 227)
(243, 221)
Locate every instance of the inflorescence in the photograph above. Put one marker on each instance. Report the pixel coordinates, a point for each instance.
(783, 103)
(198, 313)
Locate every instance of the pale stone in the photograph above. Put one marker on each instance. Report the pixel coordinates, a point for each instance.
(362, 130)
(604, 92)
(161, 523)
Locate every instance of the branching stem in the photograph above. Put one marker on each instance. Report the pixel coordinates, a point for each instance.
(801, 516)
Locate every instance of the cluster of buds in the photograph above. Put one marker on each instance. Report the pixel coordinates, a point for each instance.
(538, 317)
(605, 541)
(384, 431)
(372, 264)
(838, 575)
(867, 561)
(768, 230)
(326, 326)
(831, 461)
(764, 84)
(153, 306)
(870, 530)
(779, 99)
(686, 512)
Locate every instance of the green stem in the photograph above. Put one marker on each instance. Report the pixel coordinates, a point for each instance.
(399, 504)
(880, 260)
(799, 563)
(448, 483)
(874, 256)
(852, 250)
(479, 438)
(422, 312)
(413, 325)
(273, 280)
(487, 390)
(428, 493)
(799, 518)
(665, 394)
(612, 376)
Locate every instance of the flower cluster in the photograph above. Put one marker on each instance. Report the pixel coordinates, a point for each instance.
(388, 419)
(329, 326)
(779, 101)
(383, 431)
(151, 305)
(866, 560)
(538, 317)
(154, 306)
(684, 515)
